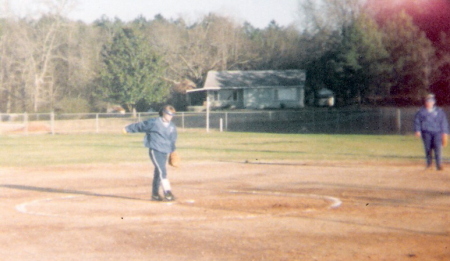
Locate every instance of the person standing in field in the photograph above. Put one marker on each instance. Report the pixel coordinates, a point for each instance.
(160, 138)
(431, 124)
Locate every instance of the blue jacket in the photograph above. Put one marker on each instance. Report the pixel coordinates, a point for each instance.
(158, 137)
(434, 121)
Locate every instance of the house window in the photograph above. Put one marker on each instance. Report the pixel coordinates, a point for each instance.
(229, 95)
(286, 94)
(216, 96)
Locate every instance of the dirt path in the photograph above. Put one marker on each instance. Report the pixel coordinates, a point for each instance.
(226, 211)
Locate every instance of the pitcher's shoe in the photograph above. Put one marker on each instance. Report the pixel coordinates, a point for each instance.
(157, 197)
(169, 196)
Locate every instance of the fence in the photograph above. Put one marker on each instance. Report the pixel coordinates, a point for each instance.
(308, 120)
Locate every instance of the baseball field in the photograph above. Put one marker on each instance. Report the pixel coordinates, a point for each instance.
(240, 196)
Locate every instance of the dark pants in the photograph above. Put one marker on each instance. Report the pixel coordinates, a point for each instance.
(432, 141)
(159, 160)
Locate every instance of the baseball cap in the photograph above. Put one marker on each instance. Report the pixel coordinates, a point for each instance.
(430, 97)
(169, 112)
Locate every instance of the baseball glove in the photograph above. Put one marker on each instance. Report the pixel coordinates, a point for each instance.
(174, 159)
(444, 140)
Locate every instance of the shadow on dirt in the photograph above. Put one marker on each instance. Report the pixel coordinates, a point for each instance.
(65, 191)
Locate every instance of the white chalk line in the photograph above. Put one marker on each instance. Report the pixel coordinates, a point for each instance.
(22, 208)
(334, 203)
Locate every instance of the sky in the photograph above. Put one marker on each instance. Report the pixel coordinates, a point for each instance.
(258, 12)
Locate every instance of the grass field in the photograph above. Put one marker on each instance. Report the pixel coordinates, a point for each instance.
(43, 150)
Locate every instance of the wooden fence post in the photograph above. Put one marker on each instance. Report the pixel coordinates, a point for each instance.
(25, 123)
(399, 121)
(52, 122)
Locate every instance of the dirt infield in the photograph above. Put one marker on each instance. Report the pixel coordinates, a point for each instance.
(227, 211)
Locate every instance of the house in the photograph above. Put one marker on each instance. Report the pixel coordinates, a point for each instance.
(251, 89)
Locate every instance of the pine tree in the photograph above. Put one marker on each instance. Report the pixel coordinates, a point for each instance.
(412, 56)
(362, 60)
(356, 67)
(132, 71)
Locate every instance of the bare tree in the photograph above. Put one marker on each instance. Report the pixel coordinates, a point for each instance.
(213, 43)
(14, 66)
(327, 15)
(323, 22)
(32, 47)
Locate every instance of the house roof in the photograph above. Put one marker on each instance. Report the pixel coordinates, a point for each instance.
(216, 80)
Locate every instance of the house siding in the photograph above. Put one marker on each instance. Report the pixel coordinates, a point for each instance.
(226, 98)
(263, 98)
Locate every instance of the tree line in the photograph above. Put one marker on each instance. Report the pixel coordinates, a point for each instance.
(52, 63)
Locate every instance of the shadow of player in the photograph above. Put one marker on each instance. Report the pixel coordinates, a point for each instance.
(66, 191)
